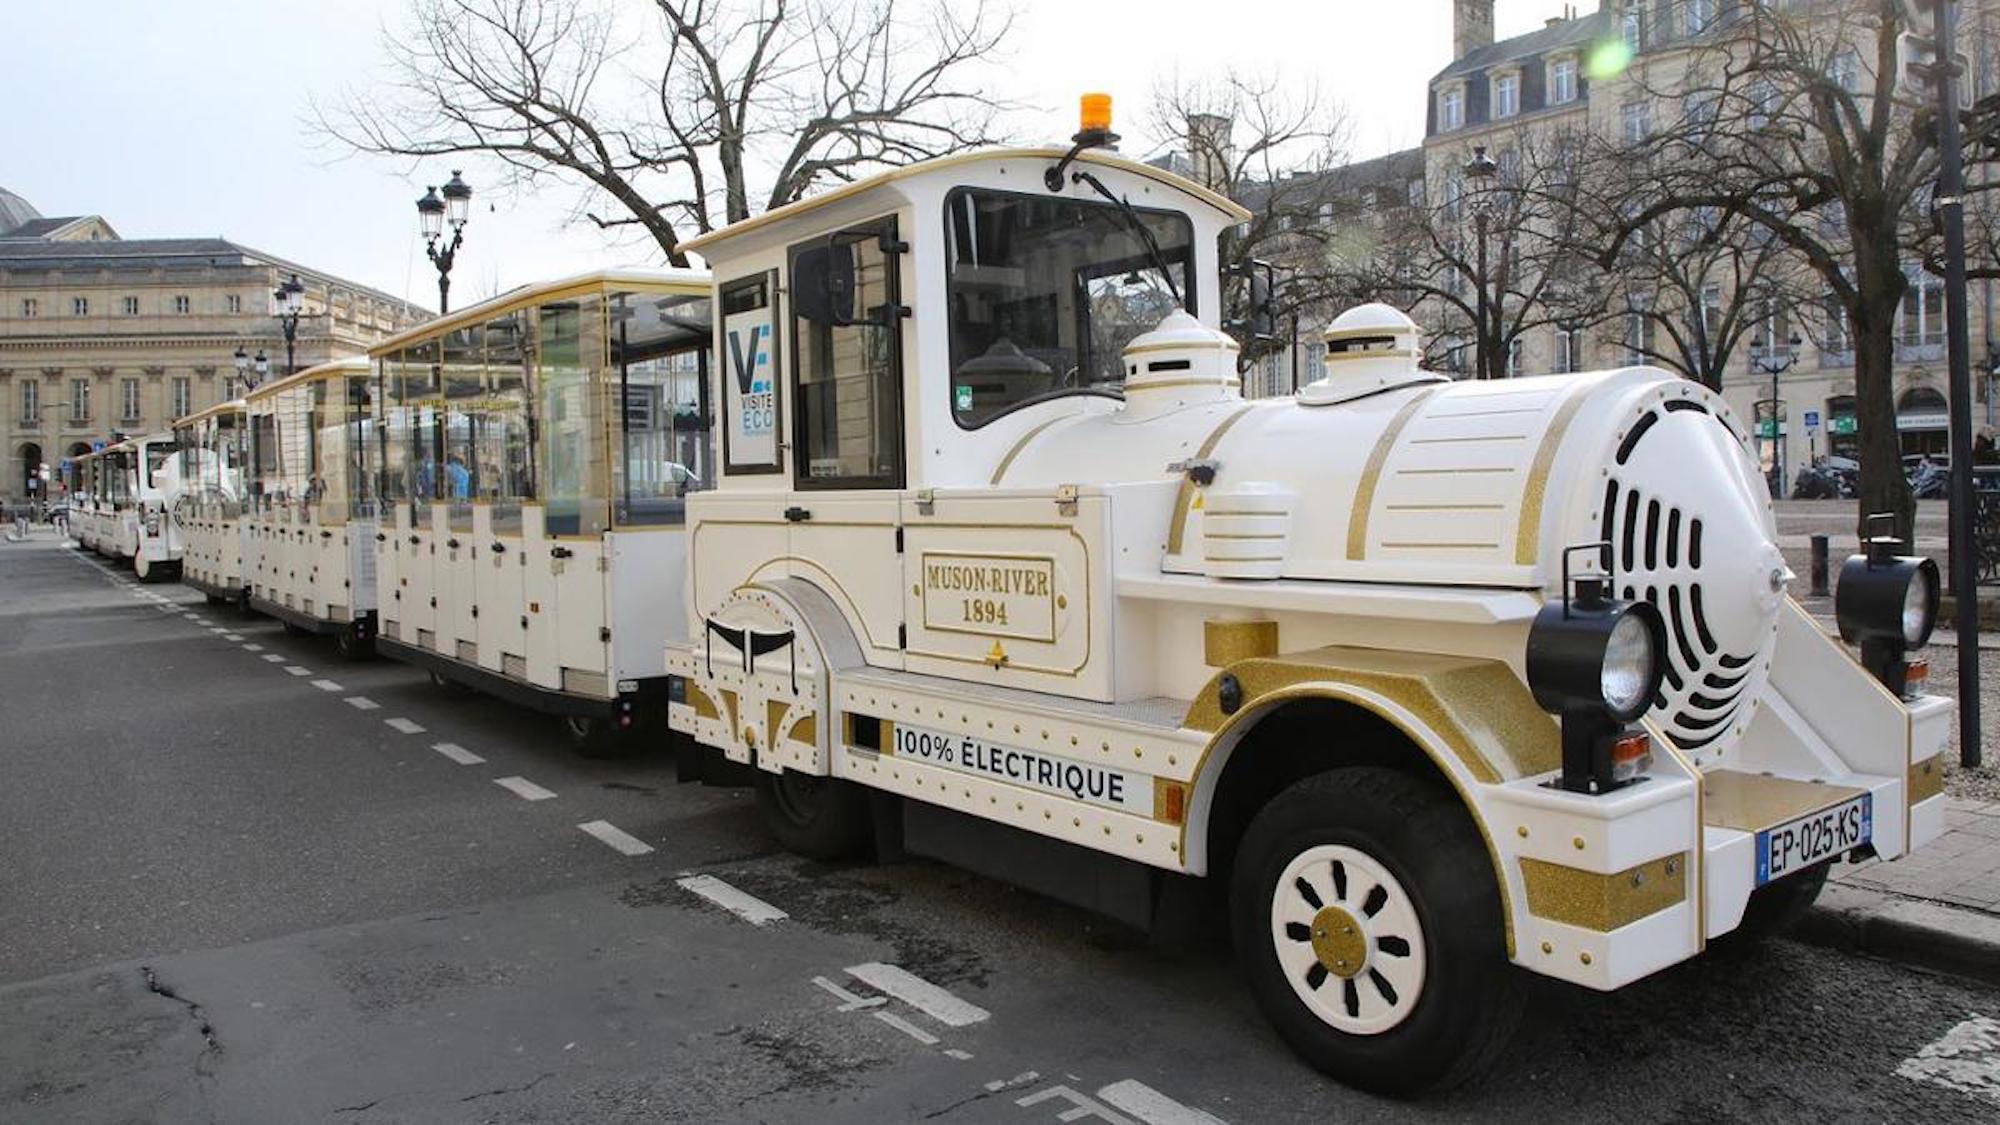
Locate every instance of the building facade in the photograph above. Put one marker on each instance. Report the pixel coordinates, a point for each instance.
(1503, 94)
(102, 335)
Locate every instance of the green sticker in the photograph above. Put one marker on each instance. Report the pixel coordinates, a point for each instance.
(964, 397)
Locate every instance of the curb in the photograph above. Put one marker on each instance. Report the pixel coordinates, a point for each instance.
(1915, 931)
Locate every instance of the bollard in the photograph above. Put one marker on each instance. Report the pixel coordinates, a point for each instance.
(1819, 566)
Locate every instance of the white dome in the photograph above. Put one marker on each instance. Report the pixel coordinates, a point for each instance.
(1369, 348)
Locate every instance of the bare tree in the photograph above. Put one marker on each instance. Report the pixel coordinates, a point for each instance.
(1278, 149)
(751, 103)
(1527, 264)
(1795, 127)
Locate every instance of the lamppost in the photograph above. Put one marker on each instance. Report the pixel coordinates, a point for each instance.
(245, 363)
(1479, 174)
(291, 299)
(432, 213)
(1774, 362)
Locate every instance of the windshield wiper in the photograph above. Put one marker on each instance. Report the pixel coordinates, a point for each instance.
(1138, 227)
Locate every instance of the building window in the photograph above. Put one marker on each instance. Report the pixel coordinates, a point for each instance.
(181, 304)
(1700, 16)
(1514, 357)
(1451, 109)
(1704, 107)
(1638, 335)
(131, 306)
(1844, 70)
(1836, 337)
(235, 302)
(1633, 27)
(183, 396)
(31, 402)
(1774, 331)
(128, 397)
(1763, 98)
(1569, 350)
(79, 400)
(1507, 95)
(1711, 312)
(1562, 81)
(79, 306)
(1923, 309)
(1416, 189)
(30, 307)
(1638, 118)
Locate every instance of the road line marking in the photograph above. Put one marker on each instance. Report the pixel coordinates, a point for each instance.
(362, 703)
(955, 1053)
(1966, 1059)
(275, 658)
(217, 629)
(327, 685)
(298, 671)
(907, 1028)
(523, 788)
(849, 1001)
(405, 726)
(918, 993)
(750, 908)
(458, 753)
(1021, 1079)
(253, 648)
(232, 636)
(1151, 1106)
(1083, 1105)
(617, 838)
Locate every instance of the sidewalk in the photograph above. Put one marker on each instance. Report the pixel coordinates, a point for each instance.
(1938, 908)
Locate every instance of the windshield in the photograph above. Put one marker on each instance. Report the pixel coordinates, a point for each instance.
(1046, 291)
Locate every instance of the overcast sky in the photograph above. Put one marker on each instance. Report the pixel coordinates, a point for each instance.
(184, 119)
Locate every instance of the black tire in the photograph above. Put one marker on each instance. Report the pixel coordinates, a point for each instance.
(216, 599)
(293, 630)
(1468, 1001)
(817, 817)
(1776, 907)
(592, 737)
(350, 646)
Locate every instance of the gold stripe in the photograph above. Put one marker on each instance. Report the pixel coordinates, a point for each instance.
(1371, 474)
(1022, 443)
(1528, 536)
(1926, 779)
(1603, 903)
(704, 707)
(805, 730)
(1164, 384)
(1225, 642)
(1184, 500)
(1222, 345)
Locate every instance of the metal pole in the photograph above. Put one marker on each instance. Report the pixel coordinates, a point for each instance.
(1951, 211)
(1479, 337)
(1295, 353)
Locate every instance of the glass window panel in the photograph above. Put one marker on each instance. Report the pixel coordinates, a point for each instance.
(506, 440)
(659, 354)
(850, 398)
(571, 445)
(464, 391)
(422, 437)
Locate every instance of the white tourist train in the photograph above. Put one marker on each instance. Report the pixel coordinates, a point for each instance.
(309, 505)
(121, 498)
(211, 451)
(1415, 678)
(534, 451)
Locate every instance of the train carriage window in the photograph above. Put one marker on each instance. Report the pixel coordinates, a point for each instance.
(464, 378)
(1045, 291)
(846, 345)
(659, 355)
(506, 437)
(421, 395)
(571, 442)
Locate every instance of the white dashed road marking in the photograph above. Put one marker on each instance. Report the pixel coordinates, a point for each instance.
(274, 658)
(907, 1028)
(918, 993)
(327, 685)
(217, 629)
(618, 839)
(523, 788)
(253, 648)
(362, 703)
(405, 726)
(458, 753)
(298, 671)
(1151, 1106)
(750, 908)
(1966, 1059)
(232, 636)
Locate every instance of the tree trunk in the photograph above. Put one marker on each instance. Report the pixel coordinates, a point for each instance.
(1883, 486)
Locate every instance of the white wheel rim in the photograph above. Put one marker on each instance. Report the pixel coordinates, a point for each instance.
(1362, 970)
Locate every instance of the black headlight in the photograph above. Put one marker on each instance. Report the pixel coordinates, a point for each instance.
(1887, 603)
(1596, 663)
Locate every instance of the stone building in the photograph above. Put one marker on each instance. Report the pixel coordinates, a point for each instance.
(103, 335)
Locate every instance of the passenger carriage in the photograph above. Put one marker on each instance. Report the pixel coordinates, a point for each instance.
(1414, 678)
(310, 508)
(209, 512)
(128, 488)
(534, 451)
(81, 481)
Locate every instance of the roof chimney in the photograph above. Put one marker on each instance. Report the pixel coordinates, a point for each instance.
(1471, 26)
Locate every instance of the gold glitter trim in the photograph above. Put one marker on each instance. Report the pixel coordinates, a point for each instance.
(805, 730)
(704, 707)
(1603, 903)
(1527, 536)
(1926, 779)
(1371, 474)
(1225, 642)
(1184, 500)
(1022, 443)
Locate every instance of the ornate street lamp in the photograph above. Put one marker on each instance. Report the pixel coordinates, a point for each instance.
(1479, 173)
(290, 297)
(1774, 361)
(433, 212)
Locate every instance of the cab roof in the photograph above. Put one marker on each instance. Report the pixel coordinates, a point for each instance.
(345, 365)
(233, 406)
(694, 283)
(1231, 210)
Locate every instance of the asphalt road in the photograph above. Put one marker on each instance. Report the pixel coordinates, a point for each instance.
(230, 893)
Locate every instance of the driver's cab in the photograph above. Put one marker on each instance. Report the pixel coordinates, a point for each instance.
(887, 348)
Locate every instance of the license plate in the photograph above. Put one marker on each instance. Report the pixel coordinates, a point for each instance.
(1800, 843)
